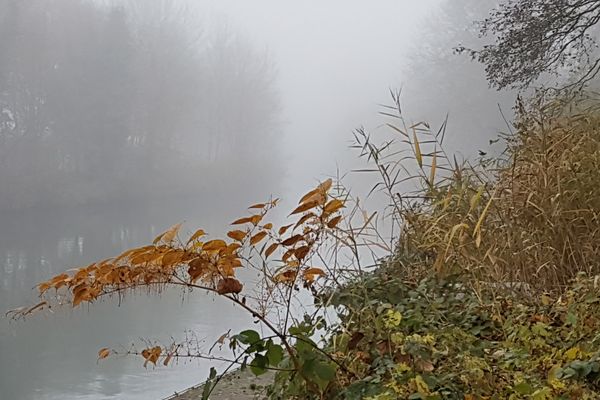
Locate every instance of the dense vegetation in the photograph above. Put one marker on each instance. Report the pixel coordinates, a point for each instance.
(483, 284)
(489, 290)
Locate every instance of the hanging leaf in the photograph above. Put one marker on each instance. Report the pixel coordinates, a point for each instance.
(271, 249)
(151, 355)
(237, 235)
(301, 252)
(103, 353)
(334, 221)
(268, 226)
(229, 285)
(284, 229)
(305, 207)
(255, 219)
(168, 359)
(257, 238)
(292, 240)
(197, 268)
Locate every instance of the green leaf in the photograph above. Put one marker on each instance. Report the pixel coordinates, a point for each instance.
(248, 337)
(571, 319)
(259, 364)
(274, 354)
(324, 371)
(523, 388)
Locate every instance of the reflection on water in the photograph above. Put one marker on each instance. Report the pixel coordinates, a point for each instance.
(54, 356)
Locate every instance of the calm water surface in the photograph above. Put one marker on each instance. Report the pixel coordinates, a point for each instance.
(53, 356)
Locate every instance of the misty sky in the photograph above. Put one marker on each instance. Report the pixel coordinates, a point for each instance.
(336, 60)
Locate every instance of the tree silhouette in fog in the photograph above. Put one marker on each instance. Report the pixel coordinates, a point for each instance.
(102, 103)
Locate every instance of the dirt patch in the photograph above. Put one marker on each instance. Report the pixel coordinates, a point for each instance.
(238, 385)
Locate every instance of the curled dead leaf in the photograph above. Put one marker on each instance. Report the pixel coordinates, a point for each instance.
(103, 353)
(229, 285)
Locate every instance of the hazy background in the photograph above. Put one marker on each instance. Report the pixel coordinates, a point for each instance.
(120, 118)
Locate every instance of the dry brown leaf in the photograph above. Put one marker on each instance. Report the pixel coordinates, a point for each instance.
(284, 229)
(213, 245)
(305, 207)
(333, 206)
(332, 223)
(292, 240)
(271, 249)
(257, 238)
(229, 285)
(103, 353)
(237, 235)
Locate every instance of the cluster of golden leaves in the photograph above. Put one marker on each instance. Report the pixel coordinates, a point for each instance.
(210, 264)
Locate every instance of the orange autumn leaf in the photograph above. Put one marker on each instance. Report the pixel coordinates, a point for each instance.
(284, 229)
(333, 206)
(332, 223)
(288, 276)
(305, 207)
(237, 235)
(151, 355)
(242, 221)
(103, 353)
(198, 234)
(258, 205)
(311, 273)
(257, 238)
(271, 249)
(309, 195)
(213, 245)
(292, 240)
(301, 252)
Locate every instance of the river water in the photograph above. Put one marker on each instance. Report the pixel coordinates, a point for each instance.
(53, 356)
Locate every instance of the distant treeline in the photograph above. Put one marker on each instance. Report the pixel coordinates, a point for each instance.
(99, 103)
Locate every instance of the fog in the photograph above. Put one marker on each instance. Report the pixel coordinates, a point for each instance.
(119, 118)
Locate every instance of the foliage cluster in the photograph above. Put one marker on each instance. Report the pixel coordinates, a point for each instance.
(436, 339)
(486, 293)
(533, 37)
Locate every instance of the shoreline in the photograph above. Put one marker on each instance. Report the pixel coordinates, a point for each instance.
(235, 385)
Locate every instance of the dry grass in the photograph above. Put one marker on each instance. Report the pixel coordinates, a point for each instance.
(530, 216)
